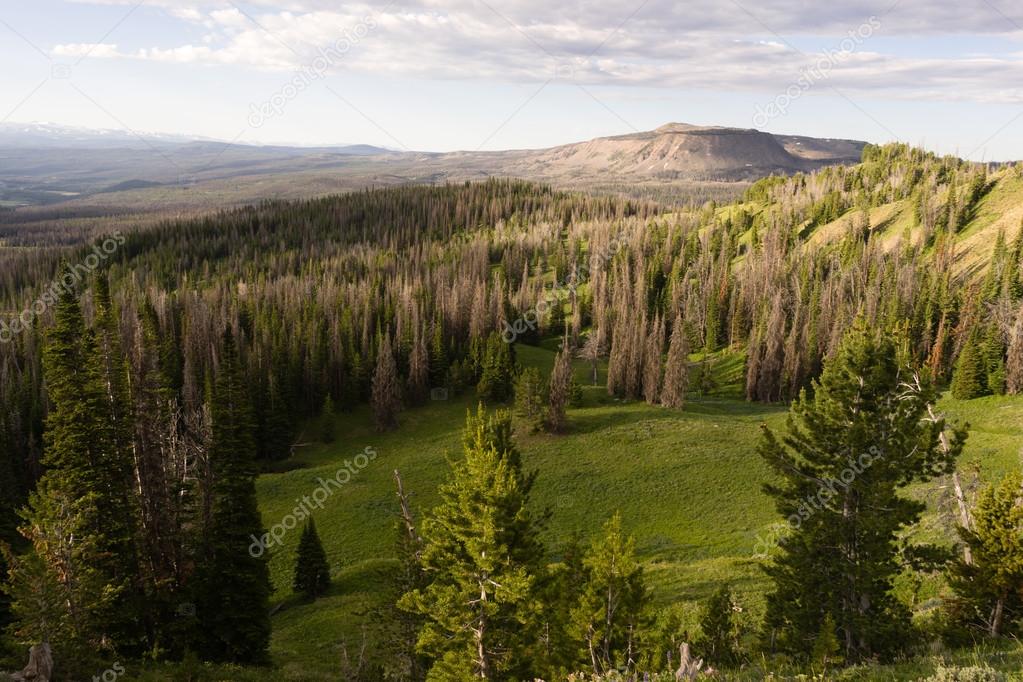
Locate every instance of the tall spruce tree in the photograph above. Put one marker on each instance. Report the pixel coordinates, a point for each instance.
(988, 586)
(610, 615)
(312, 572)
(969, 380)
(113, 374)
(78, 520)
(993, 353)
(327, 421)
(850, 449)
(481, 557)
(531, 398)
(717, 644)
(234, 585)
(497, 378)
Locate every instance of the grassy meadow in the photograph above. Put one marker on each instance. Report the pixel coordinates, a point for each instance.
(687, 483)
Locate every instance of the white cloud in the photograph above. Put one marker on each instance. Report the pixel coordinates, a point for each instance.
(86, 49)
(700, 43)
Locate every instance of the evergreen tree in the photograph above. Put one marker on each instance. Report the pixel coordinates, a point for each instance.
(969, 379)
(676, 371)
(993, 352)
(418, 385)
(327, 418)
(438, 357)
(481, 556)
(497, 371)
(988, 587)
(561, 589)
(312, 572)
(234, 585)
(851, 447)
(79, 519)
(386, 388)
(610, 613)
(826, 647)
(531, 398)
(717, 644)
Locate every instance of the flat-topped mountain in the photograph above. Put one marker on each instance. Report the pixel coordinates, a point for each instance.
(683, 151)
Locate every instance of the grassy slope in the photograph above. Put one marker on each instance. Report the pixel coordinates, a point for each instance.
(687, 483)
(1000, 210)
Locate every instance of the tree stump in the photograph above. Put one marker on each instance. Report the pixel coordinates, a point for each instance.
(40, 665)
(688, 667)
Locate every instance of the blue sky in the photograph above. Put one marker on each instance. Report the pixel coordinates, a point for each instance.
(474, 74)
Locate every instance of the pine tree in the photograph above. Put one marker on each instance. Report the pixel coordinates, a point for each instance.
(560, 389)
(561, 589)
(386, 388)
(481, 556)
(826, 647)
(438, 357)
(497, 371)
(676, 371)
(718, 642)
(419, 369)
(969, 379)
(327, 419)
(78, 520)
(987, 587)
(863, 436)
(531, 398)
(610, 614)
(234, 585)
(993, 353)
(312, 572)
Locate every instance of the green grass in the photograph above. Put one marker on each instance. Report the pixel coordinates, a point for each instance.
(687, 483)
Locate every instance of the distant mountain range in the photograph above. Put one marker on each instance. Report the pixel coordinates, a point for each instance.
(45, 164)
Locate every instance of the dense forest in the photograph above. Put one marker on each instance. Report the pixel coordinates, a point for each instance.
(155, 373)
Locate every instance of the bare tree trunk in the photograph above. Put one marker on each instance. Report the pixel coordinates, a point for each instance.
(996, 618)
(964, 513)
(965, 520)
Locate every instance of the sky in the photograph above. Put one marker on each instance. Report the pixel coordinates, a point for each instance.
(445, 75)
